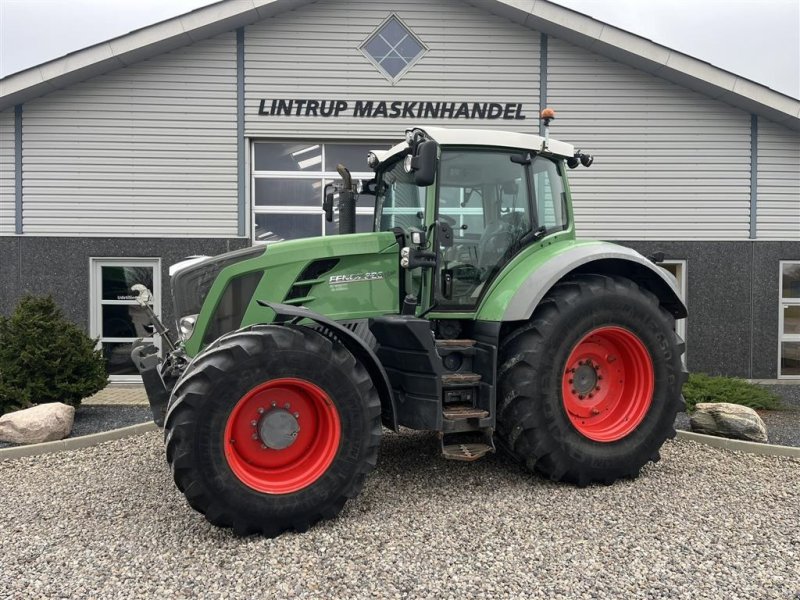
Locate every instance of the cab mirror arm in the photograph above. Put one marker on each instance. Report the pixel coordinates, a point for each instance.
(369, 187)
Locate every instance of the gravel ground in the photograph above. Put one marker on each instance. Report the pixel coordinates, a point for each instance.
(790, 394)
(94, 419)
(107, 522)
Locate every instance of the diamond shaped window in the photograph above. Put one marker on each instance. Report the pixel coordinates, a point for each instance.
(393, 48)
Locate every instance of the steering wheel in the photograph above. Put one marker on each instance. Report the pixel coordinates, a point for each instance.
(493, 246)
(448, 219)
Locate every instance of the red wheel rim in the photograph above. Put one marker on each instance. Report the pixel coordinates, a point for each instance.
(314, 446)
(608, 384)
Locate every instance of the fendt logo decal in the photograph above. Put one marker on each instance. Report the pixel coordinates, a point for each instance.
(354, 278)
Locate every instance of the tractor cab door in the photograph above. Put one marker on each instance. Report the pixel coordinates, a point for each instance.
(485, 197)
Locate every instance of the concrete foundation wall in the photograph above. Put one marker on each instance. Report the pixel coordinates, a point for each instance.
(732, 289)
(61, 267)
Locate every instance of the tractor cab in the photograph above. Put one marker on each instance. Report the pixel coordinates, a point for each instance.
(467, 202)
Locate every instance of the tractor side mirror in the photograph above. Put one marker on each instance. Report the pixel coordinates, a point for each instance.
(424, 163)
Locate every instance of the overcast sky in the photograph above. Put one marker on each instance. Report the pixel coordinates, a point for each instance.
(758, 39)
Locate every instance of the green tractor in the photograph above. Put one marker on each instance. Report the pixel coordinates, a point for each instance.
(471, 310)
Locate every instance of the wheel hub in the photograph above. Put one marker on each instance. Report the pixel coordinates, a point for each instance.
(278, 429)
(585, 378)
(282, 435)
(608, 383)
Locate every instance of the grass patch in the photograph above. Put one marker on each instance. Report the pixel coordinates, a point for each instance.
(705, 388)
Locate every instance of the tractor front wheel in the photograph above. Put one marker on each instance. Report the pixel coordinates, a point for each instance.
(590, 387)
(272, 428)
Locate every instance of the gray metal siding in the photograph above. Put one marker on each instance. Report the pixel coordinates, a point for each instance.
(670, 163)
(778, 182)
(7, 171)
(313, 53)
(148, 150)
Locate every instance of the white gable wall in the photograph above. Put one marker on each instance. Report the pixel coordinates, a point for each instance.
(670, 163)
(150, 150)
(778, 182)
(147, 150)
(313, 53)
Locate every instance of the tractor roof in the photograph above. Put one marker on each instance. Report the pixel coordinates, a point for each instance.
(446, 136)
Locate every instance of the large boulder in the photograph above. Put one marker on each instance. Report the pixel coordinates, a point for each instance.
(728, 420)
(43, 423)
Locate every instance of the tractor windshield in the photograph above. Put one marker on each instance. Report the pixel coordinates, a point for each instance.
(399, 201)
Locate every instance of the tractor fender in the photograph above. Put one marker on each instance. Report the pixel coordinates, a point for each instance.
(602, 258)
(357, 347)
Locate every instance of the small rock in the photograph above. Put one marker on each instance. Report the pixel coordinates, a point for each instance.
(728, 420)
(43, 423)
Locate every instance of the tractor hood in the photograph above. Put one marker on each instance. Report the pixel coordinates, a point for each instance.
(343, 277)
(191, 279)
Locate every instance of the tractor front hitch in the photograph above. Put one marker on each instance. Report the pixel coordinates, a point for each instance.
(145, 358)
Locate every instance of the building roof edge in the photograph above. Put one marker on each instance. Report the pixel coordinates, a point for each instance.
(542, 15)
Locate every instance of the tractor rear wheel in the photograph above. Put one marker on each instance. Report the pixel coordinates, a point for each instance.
(272, 428)
(589, 388)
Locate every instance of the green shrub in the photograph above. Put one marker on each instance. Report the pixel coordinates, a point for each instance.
(705, 388)
(8, 398)
(46, 358)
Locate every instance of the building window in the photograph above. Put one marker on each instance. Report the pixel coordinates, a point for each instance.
(678, 270)
(289, 180)
(789, 321)
(393, 48)
(116, 319)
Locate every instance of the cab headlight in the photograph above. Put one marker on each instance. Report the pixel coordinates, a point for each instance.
(186, 326)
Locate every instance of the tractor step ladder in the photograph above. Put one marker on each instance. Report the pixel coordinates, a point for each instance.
(458, 344)
(467, 446)
(455, 412)
(450, 379)
(465, 438)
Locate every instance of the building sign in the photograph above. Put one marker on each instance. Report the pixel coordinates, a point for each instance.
(398, 109)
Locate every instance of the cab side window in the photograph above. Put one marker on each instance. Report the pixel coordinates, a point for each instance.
(548, 189)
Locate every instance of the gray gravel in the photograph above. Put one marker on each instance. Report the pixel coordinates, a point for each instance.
(703, 523)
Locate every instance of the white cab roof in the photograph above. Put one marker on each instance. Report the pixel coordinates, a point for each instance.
(446, 136)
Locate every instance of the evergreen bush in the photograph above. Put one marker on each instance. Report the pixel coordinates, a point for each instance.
(46, 358)
(705, 388)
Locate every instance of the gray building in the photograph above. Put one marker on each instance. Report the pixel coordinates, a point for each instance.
(218, 129)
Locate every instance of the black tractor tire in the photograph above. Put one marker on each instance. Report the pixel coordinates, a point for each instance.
(534, 423)
(206, 403)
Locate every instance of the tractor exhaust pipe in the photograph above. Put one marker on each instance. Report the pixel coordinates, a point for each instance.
(347, 202)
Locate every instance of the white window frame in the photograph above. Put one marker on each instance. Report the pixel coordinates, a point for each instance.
(682, 277)
(409, 64)
(782, 304)
(325, 176)
(96, 302)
